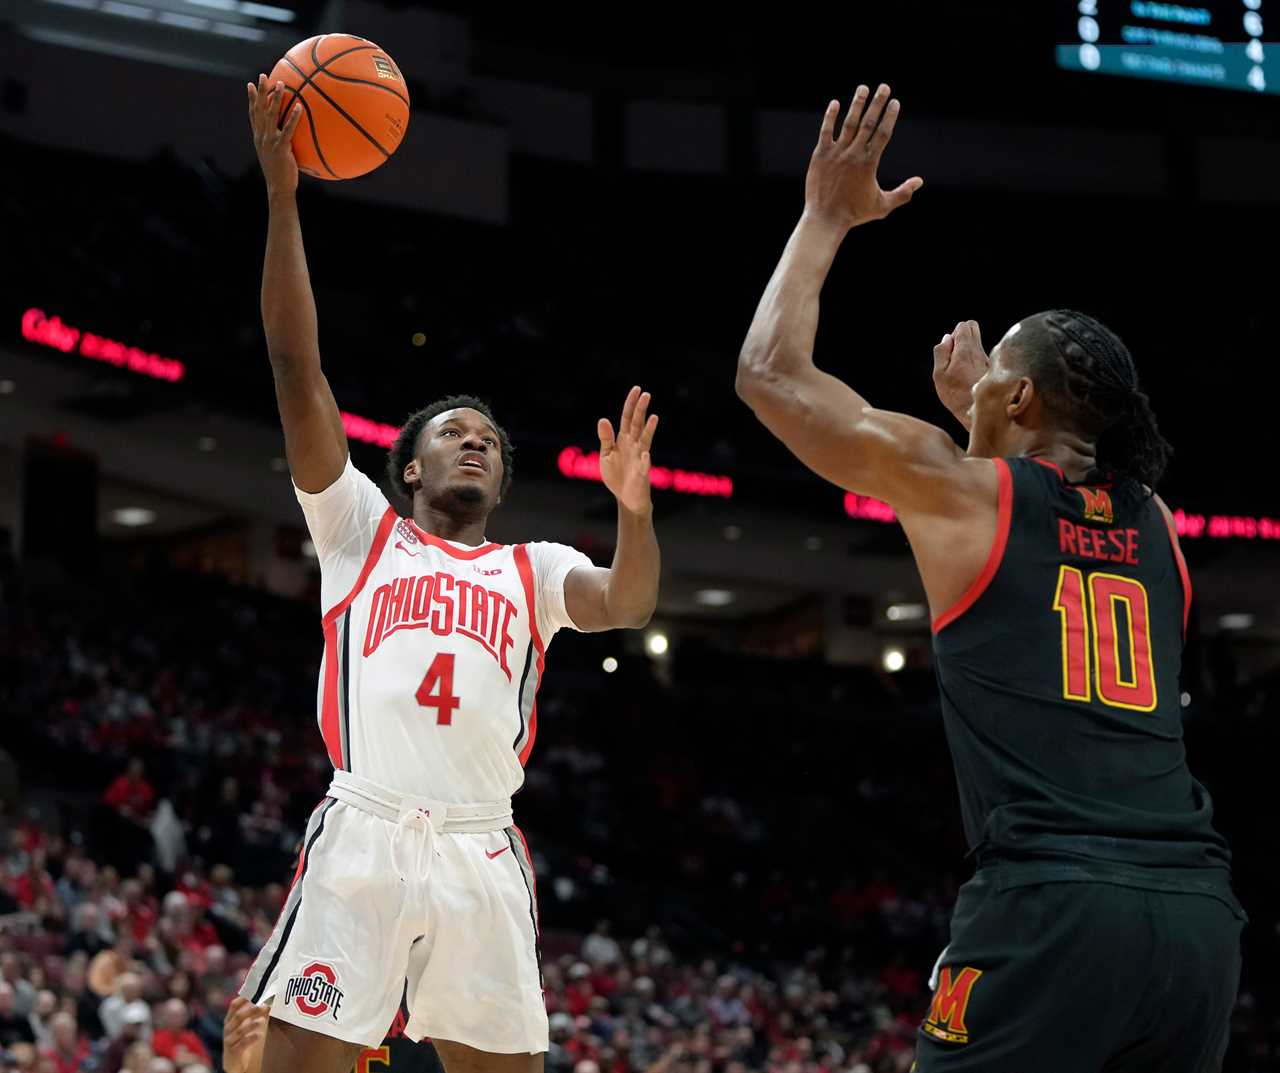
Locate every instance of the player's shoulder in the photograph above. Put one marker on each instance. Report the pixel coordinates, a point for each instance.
(350, 484)
(549, 555)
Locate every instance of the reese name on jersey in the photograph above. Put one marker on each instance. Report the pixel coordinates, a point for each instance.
(1109, 545)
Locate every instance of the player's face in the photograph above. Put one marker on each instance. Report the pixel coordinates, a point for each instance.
(989, 413)
(460, 457)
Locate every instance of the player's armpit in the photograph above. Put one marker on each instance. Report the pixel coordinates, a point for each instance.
(837, 434)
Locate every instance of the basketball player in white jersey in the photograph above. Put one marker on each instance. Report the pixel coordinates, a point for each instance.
(413, 879)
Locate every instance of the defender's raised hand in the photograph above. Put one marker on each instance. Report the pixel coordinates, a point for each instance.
(841, 185)
(959, 362)
(624, 459)
(274, 142)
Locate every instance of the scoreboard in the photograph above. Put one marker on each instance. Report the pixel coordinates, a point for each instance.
(1222, 43)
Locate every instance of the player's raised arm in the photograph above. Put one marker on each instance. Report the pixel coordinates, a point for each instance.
(830, 427)
(625, 595)
(315, 441)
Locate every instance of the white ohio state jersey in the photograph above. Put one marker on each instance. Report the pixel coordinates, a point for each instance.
(433, 650)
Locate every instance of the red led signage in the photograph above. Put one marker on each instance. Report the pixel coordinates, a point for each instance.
(366, 431)
(866, 509)
(48, 331)
(583, 466)
(1225, 526)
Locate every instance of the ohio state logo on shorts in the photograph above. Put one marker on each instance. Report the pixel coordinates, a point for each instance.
(315, 991)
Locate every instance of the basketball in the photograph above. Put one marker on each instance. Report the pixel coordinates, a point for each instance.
(355, 104)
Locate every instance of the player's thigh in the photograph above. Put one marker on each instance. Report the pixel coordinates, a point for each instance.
(290, 1048)
(475, 976)
(459, 1058)
(1034, 978)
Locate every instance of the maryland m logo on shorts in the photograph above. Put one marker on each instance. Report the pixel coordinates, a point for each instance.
(1097, 505)
(315, 991)
(950, 1004)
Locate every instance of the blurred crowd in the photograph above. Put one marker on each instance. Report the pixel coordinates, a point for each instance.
(775, 844)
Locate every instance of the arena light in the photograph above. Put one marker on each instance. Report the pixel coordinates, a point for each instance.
(656, 643)
(133, 517)
(904, 612)
(580, 465)
(714, 597)
(50, 331)
(609, 665)
(1237, 621)
(893, 659)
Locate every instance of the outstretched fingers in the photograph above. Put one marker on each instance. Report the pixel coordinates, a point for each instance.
(871, 116)
(852, 116)
(646, 435)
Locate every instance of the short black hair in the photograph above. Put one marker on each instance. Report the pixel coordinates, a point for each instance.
(403, 450)
(1090, 383)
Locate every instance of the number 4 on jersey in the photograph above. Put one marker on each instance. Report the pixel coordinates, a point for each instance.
(436, 690)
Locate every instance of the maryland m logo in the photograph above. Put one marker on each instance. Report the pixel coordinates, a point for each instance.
(1097, 505)
(950, 1002)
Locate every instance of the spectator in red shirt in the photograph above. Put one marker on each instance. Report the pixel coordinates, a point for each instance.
(69, 1049)
(34, 889)
(175, 1040)
(140, 910)
(131, 795)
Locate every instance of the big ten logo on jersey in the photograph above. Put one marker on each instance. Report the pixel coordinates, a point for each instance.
(445, 605)
(950, 1006)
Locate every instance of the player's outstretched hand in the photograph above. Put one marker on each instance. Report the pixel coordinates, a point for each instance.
(959, 362)
(243, 1033)
(841, 185)
(273, 142)
(624, 458)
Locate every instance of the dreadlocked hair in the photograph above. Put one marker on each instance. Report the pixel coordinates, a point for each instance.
(403, 450)
(1090, 383)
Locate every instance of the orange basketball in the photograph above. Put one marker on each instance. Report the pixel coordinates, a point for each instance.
(354, 100)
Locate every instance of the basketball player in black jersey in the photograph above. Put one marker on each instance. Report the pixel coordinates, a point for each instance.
(1099, 931)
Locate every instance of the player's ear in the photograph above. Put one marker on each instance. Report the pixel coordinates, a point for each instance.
(412, 473)
(1024, 393)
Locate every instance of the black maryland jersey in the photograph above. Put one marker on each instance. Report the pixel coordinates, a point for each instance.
(1059, 679)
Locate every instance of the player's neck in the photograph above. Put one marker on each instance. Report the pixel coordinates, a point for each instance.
(1075, 456)
(461, 530)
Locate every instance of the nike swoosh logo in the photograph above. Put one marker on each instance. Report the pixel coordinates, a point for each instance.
(496, 853)
(406, 550)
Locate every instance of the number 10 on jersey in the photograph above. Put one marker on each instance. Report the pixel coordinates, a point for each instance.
(1093, 638)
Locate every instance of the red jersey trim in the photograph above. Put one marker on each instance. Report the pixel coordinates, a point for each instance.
(1004, 513)
(1182, 568)
(385, 525)
(449, 549)
(525, 570)
(330, 718)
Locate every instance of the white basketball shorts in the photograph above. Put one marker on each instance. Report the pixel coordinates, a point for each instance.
(391, 899)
